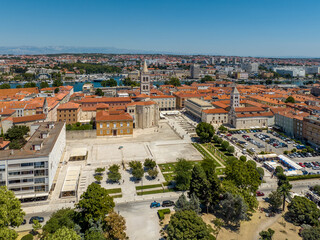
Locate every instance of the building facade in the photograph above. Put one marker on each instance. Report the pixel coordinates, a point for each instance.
(69, 113)
(145, 80)
(114, 124)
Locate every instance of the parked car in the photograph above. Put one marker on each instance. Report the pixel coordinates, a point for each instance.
(154, 204)
(167, 203)
(259, 194)
(40, 219)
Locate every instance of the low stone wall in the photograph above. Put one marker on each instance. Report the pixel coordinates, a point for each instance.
(80, 134)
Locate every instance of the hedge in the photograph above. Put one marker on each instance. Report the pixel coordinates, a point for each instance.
(148, 186)
(301, 177)
(114, 190)
(27, 237)
(162, 212)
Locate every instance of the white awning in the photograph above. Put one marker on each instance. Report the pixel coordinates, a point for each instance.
(71, 181)
(76, 152)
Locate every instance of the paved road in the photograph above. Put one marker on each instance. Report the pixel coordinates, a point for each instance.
(142, 221)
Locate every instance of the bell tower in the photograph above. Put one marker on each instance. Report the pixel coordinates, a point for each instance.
(145, 80)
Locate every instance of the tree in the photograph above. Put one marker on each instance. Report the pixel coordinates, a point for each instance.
(153, 173)
(275, 200)
(194, 204)
(311, 233)
(243, 158)
(261, 172)
(303, 211)
(266, 235)
(98, 178)
(44, 85)
(173, 81)
(115, 226)
(137, 170)
(232, 208)
(224, 145)
(219, 140)
(57, 83)
(290, 99)
(215, 138)
(19, 86)
(8, 234)
(56, 90)
(99, 92)
(199, 183)
(63, 233)
(223, 129)
(99, 170)
(61, 218)
(252, 163)
(109, 83)
(205, 131)
(278, 170)
(30, 85)
(94, 204)
(149, 163)
(36, 226)
(182, 176)
(218, 223)
(182, 203)
(244, 175)
(113, 174)
(230, 149)
(284, 190)
(5, 86)
(186, 224)
(206, 78)
(11, 214)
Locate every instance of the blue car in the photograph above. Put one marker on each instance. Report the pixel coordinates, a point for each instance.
(154, 204)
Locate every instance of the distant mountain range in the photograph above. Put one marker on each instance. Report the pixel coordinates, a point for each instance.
(31, 50)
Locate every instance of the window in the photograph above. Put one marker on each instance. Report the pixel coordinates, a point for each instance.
(14, 173)
(2, 183)
(128, 130)
(26, 172)
(26, 164)
(27, 180)
(121, 124)
(108, 131)
(101, 125)
(14, 181)
(128, 124)
(14, 165)
(108, 125)
(26, 188)
(114, 125)
(121, 131)
(100, 132)
(39, 165)
(40, 188)
(39, 173)
(15, 189)
(2, 168)
(39, 180)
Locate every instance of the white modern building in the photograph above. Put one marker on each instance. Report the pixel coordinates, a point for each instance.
(30, 171)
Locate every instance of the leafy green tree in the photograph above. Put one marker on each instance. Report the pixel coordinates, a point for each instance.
(260, 171)
(194, 203)
(266, 235)
(284, 190)
(278, 170)
(290, 99)
(232, 208)
(109, 83)
(137, 170)
(99, 92)
(230, 149)
(183, 174)
(303, 211)
(63, 233)
(56, 90)
(5, 86)
(173, 81)
(8, 234)
(205, 131)
(199, 183)
(115, 227)
(243, 158)
(44, 85)
(27, 237)
(57, 83)
(275, 200)
(99, 170)
(153, 173)
(182, 203)
(114, 174)
(36, 226)
(11, 214)
(224, 145)
(219, 140)
(94, 204)
(243, 175)
(61, 218)
(30, 85)
(19, 86)
(311, 233)
(215, 138)
(206, 78)
(252, 163)
(186, 224)
(149, 163)
(316, 189)
(98, 178)
(223, 129)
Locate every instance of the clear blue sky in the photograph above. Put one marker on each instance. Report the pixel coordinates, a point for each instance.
(230, 27)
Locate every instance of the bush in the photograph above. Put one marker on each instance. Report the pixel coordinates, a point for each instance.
(149, 163)
(294, 178)
(162, 212)
(27, 237)
(225, 145)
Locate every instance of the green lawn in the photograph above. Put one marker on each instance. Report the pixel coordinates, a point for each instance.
(117, 196)
(155, 191)
(148, 186)
(114, 190)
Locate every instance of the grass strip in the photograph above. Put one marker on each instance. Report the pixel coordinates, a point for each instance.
(148, 186)
(114, 190)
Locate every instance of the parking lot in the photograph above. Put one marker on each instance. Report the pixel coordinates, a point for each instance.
(258, 141)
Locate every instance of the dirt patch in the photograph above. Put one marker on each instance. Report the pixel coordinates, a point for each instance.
(249, 230)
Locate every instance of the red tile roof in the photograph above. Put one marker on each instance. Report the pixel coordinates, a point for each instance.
(69, 105)
(115, 116)
(214, 111)
(31, 118)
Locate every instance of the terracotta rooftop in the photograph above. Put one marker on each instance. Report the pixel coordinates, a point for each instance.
(31, 118)
(69, 105)
(115, 116)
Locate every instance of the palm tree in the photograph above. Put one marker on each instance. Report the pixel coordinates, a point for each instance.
(284, 189)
